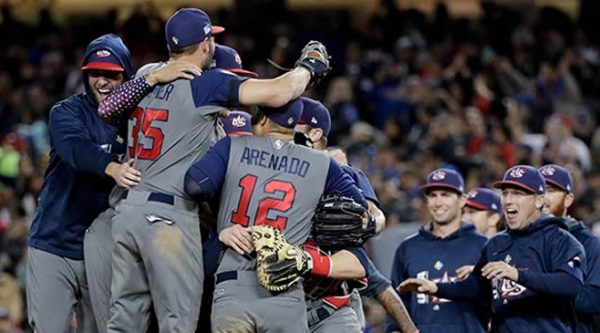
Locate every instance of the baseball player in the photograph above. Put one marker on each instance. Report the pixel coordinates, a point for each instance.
(156, 234)
(263, 179)
(483, 209)
(98, 237)
(83, 168)
(334, 314)
(435, 253)
(559, 197)
(530, 273)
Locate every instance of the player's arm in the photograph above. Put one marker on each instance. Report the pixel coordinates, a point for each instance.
(73, 142)
(205, 177)
(121, 101)
(567, 263)
(342, 265)
(362, 182)
(312, 65)
(588, 299)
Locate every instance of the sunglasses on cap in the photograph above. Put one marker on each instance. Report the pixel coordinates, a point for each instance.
(112, 75)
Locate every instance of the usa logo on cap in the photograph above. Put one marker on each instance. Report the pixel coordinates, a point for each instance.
(439, 175)
(547, 170)
(103, 53)
(238, 121)
(517, 172)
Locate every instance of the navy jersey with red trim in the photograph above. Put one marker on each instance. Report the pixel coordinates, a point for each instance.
(550, 262)
(587, 303)
(362, 182)
(427, 256)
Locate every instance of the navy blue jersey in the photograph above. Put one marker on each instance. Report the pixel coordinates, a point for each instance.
(587, 302)
(550, 263)
(75, 189)
(427, 256)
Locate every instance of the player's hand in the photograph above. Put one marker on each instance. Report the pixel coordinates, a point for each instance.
(464, 271)
(238, 238)
(173, 70)
(418, 285)
(499, 270)
(124, 174)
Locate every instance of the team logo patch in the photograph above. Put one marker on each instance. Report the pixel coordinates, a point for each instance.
(290, 120)
(278, 144)
(314, 120)
(548, 171)
(438, 265)
(494, 206)
(517, 172)
(238, 121)
(238, 60)
(439, 175)
(103, 53)
(472, 194)
(207, 29)
(175, 40)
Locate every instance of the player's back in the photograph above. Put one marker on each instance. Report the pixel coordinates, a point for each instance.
(168, 132)
(272, 182)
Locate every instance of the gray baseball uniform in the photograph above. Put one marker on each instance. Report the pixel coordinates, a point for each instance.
(157, 252)
(343, 319)
(268, 181)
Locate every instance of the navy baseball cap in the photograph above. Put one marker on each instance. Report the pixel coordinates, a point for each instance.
(189, 26)
(103, 60)
(287, 115)
(484, 199)
(228, 59)
(558, 176)
(444, 178)
(237, 123)
(525, 177)
(315, 115)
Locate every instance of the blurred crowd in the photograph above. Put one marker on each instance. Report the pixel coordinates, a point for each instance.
(409, 93)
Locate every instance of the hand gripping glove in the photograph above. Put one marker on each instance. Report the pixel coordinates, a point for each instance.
(338, 223)
(279, 264)
(315, 58)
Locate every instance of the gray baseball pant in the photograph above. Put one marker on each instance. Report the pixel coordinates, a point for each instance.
(156, 261)
(57, 288)
(323, 318)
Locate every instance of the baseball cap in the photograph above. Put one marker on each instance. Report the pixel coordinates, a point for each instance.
(523, 176)
(287, 115)
(237, 123)
(444, 178)
(484, 199)
(103, 60)
(557, 176)
(189, 26)
(315, 115)
(227, 58)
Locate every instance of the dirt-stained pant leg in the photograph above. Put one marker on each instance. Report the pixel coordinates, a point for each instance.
(242, 306)
(56, 286)
(97, 246)
(156, 261)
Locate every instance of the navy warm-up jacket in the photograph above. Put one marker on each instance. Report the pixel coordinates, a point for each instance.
(75, 188)
(550, 262)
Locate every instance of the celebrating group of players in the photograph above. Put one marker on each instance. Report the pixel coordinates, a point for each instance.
(135, 260)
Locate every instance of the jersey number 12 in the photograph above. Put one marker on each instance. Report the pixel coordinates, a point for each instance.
(248, 183)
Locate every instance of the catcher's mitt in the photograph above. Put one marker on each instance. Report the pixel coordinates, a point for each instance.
(279, 264)
(315, 58)
(338, 223)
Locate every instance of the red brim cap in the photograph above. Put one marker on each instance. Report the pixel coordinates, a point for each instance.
(504, 183)
(105, 66)
(217, 29)
(243, 72)
(240, 133)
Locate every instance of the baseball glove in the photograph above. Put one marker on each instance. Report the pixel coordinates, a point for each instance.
(279, 264)
(338, 223)
(315, 58)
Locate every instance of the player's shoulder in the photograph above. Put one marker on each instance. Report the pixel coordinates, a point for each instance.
(148, 68)
(212, 75)
(411, 240)
(70, 106)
